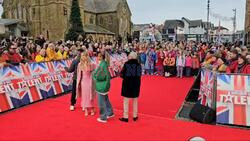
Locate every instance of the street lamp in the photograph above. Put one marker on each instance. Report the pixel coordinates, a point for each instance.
(208, 13)
(234, 24)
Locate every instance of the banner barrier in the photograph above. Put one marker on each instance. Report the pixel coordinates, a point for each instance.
(233, 99)
(27, 83)
(228, 94)
(207, 88)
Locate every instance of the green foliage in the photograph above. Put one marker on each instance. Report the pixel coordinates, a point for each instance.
(76, 26)
(3, 15)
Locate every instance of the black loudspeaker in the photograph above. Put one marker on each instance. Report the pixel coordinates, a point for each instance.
(202, 114)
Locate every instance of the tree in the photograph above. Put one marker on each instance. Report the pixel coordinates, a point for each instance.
(76, 26)
(4, 15)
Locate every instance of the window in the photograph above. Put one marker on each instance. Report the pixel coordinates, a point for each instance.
(164, 31)
(13, 14)
(17, 13)
(91, 20)
(101, 21)
(100, 39)
(22, 12)
(27, 15)
(47, 34)
(65, 11)
(171, 31)
(33, 12)
(110, 19)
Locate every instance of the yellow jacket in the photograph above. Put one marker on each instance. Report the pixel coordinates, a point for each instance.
(39, 58)
(59, 55)
(65, 55)
(51, 54)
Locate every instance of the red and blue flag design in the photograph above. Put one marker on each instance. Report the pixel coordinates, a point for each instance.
(5, 102)
(8, 99)
(27, 72)
(38, 68)
(46, 90)
(68, 62)
(54, 67)
(233, 92)
(15, 100)
(10, 72)
(25, 96)
(206, 88)
(59, 65)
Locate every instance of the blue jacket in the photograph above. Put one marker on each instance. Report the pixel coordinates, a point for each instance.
(143, 58)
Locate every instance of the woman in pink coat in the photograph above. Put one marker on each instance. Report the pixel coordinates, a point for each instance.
(85, 85)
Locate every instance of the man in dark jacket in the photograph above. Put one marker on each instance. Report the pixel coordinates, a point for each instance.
(131, 75)
(71, 69)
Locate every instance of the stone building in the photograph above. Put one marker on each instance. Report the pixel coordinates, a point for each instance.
(103, 20)
(247, 23)
(112, 15)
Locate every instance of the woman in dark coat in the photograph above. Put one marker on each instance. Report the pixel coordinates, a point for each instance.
(131, 75)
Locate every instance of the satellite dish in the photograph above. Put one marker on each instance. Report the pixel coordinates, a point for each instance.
(197, 139)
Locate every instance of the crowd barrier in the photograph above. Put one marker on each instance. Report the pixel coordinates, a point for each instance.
(27, 83)
(228, 95)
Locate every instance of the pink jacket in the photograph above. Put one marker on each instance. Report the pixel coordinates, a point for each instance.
(189, 61)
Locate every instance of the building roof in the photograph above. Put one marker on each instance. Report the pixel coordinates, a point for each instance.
(221, 28)
(89, 5)
(140, 27)
(173, 24)
(94, 29)
(193, 23)
(7, 22)
(101, 6)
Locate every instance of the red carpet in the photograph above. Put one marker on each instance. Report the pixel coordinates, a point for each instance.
(159, 102)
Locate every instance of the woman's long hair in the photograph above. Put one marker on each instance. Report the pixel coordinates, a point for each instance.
(85, 61)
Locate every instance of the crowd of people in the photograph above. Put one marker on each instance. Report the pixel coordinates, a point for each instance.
(166, 59)
(186, 58)
(181, 59)
(14, 51)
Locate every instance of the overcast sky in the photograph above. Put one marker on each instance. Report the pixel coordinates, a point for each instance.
(157, 11)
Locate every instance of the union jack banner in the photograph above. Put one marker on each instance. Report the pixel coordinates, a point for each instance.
(59, 65)
(54, 69)
(27, 83)
(207, 86)
(9, 73)
(233, 99)
(37, 68)
(112, 72)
